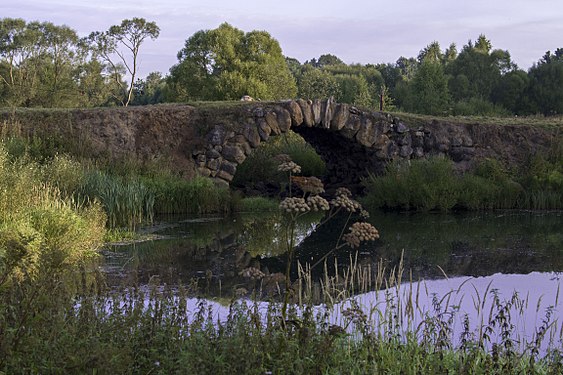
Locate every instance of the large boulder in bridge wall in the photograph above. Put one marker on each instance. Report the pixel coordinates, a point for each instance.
(283, 119)
(234, 153)
(272, 121)
(217, 136)
(307, 111)
(241, 142)
(327, 111)
(251, 134)
(367, 133)
(351, 127)
(264, 130)
(316, 108)
(295, 113)
(340, 117)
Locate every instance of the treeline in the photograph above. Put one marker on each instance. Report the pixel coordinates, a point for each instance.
(44, 65)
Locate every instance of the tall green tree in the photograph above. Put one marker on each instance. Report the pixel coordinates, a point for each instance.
(315, 83)
(545, 90)
(119, 48)
(38, 63)
(226, 63)
(477, 70)
(428, 91)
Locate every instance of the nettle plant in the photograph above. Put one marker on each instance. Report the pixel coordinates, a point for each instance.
(310, 199)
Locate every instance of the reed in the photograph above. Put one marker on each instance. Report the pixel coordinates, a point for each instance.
(174, 195)
(432, 184)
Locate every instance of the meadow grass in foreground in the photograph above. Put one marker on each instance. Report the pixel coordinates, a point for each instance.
(158, 329)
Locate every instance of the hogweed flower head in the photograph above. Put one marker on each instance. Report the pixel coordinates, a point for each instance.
(317, 203)
(360, 232)
(342, 191)
(289, 166)
(252, 273)
(346, 203)
(311, 185)
(282, 158)
(294, 205)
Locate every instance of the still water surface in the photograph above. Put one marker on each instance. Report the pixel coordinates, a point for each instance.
(432, 246)
(464, 261)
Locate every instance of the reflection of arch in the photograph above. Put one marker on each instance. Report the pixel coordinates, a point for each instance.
(352, 142)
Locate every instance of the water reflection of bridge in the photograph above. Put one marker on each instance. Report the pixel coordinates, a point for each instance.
(216, 251)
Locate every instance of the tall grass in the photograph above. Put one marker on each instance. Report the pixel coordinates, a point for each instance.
(432, 184)
(127, 202)
(45, 237)
(175, 195)
(161, 330)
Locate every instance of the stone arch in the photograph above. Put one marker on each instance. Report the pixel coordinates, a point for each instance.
(352, 142)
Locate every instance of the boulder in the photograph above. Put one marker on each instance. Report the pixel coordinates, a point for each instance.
(295, 113)
(351, 127)
(327, 110)
(283, 119)
(316, 108)
(340, 117)
(366, 133)
(307, 111)
(264, 130)
(251, 134)
(272, 121)
(233, 153)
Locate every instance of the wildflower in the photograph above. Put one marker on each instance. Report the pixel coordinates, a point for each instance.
(311, 185)
(317, 203)
(342, 191)
(252, 273)
(289, 166)
(293, 204)
(346, 203)
(360, 232)
(364, 214)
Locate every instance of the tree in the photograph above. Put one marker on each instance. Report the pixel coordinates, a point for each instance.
(428, 91)
(317, 84)
(431, 53)
(38, 64)
(545, 90)
(226, 63)
(477, 70)
(510, 89)
(149, 90)
(123, 41)
(325, 60)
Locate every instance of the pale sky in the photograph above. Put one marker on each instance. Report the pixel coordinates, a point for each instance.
(359, 31)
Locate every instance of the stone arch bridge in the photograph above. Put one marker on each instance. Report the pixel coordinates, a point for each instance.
(355, 142)
(213, 139)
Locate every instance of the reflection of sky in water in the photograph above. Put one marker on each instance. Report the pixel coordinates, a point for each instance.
(472, 296)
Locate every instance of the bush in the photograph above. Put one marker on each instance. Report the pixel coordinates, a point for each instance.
(479, 107)
(260, 166)
(431, 184)
(425, 184)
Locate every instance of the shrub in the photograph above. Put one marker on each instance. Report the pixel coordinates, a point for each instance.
(260, 166)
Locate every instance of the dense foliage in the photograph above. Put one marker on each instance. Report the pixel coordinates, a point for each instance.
(226, 64)
(432, 184)
(45, 65)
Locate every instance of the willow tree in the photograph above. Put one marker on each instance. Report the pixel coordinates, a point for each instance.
(227, 63)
